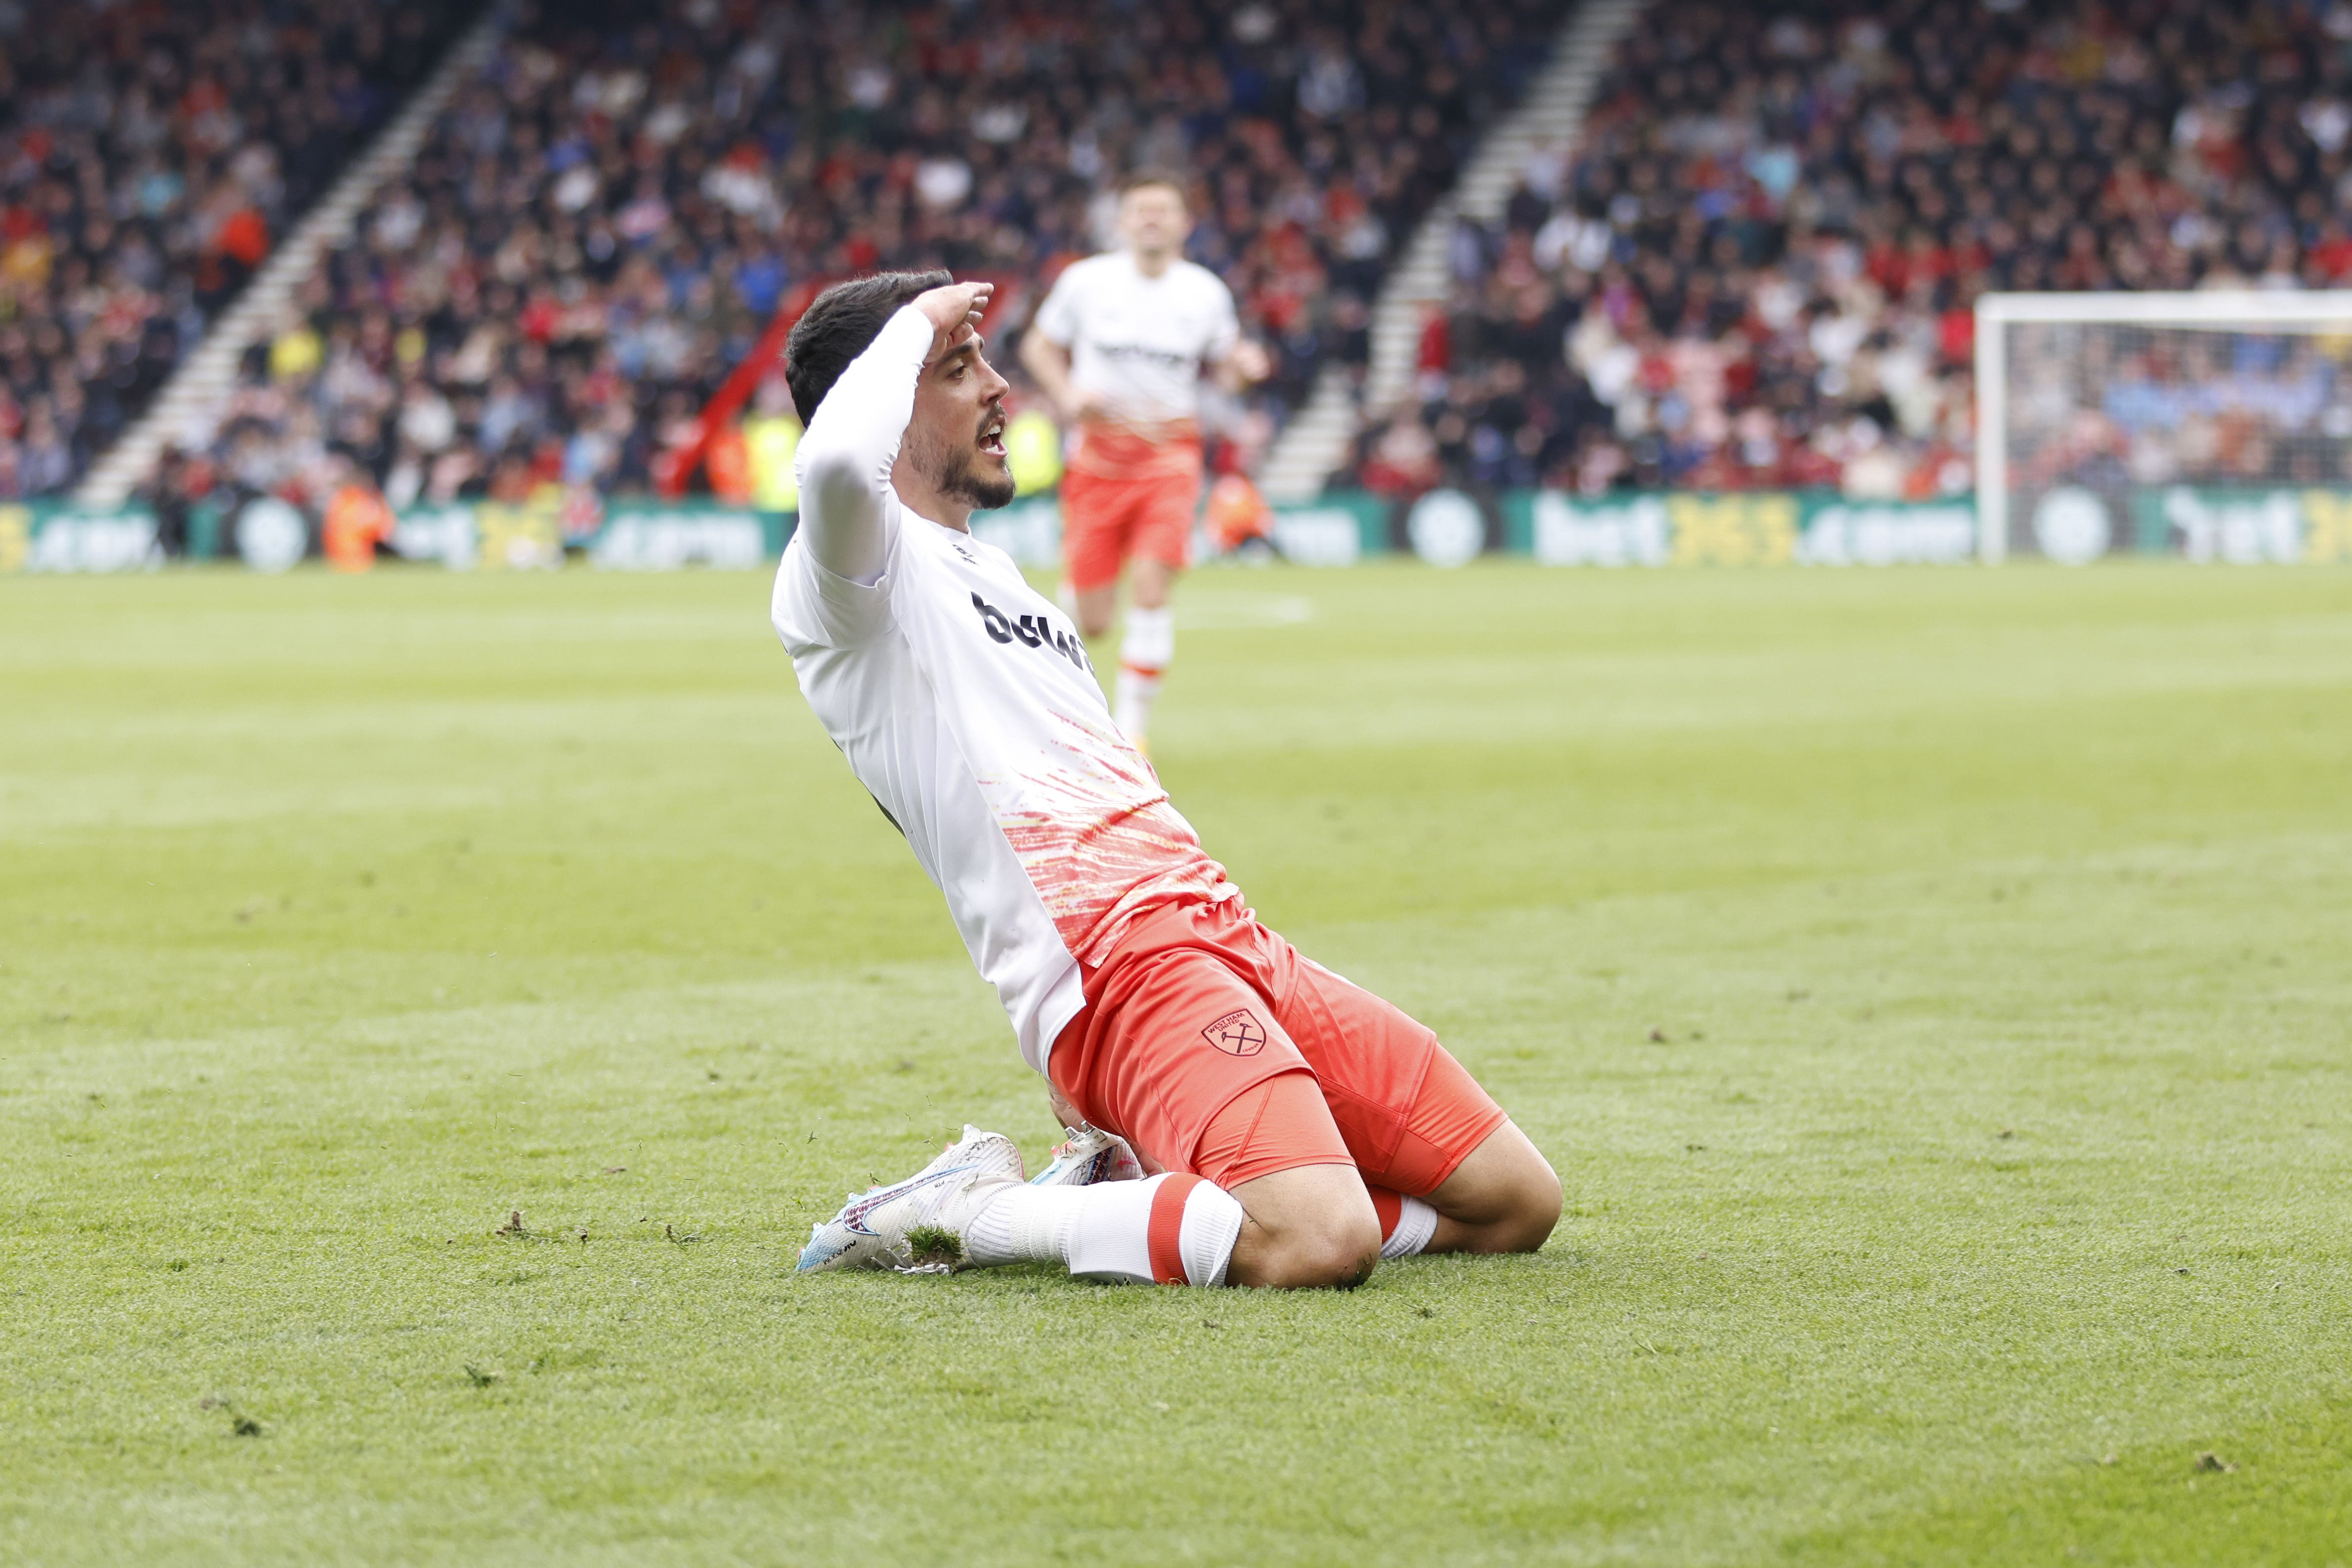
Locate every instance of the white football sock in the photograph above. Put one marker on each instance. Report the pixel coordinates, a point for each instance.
(1168, 1228)
(1416, 1223)
(1023, 1224)
(1144, 656)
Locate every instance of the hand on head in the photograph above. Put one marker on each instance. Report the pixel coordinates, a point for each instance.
(954, 313)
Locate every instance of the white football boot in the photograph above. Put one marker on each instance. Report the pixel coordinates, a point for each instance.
(937, 1202)
(1091, 1156)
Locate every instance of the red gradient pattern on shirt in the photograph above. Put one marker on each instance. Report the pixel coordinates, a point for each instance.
(1100, 840)
(1123, 452)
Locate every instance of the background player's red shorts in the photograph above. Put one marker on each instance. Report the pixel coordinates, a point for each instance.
(1122, 497)
(1214, 1048)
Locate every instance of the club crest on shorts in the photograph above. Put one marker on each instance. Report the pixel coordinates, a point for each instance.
(1237, 1034)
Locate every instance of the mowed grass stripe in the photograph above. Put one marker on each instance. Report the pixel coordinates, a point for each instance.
(1898, 1057)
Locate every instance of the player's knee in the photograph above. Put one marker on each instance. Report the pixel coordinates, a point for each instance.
(1517, 1217)
(1506, 1197)
(1335, 1248)
(1094, 614)
(1310, 1228)
(1534, 1211)
(1339, 1255)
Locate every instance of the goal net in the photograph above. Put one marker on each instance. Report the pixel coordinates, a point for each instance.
(2215, 425)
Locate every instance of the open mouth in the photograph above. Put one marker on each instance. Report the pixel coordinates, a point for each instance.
(992, 437)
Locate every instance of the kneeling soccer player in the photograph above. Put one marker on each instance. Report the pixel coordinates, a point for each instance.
(1297, 1129)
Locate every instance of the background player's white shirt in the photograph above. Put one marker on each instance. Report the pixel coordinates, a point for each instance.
(964, 703)
(1139, 343)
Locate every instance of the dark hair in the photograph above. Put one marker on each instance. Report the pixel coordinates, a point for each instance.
(839, 326)
(1166, 178)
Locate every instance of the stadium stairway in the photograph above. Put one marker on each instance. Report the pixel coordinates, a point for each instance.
(188, 406)
(1315, 443)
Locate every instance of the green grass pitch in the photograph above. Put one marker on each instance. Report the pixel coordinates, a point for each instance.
(1935, 989)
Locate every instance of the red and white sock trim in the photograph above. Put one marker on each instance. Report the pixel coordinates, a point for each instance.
(1406, 1224)
(1168, 1228)
(1171, 1229)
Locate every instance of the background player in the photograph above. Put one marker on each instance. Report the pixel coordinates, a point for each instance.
(1119, 346)
(1299, 1128)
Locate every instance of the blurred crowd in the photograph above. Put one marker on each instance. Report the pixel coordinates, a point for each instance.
(601, 226)
(1756, 268)
(150, 155)
(2112, 406)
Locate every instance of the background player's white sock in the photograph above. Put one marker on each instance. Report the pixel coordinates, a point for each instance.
(1168, 1229)
(1406, 1224)
(1144, 655)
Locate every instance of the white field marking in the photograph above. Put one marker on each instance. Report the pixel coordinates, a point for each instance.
(1242, 612)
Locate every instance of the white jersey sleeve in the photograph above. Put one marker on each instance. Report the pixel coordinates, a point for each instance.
(849, 518)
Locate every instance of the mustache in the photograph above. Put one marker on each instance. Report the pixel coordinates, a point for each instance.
(991, 414)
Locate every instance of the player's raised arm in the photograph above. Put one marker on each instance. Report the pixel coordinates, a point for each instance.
(858, 423)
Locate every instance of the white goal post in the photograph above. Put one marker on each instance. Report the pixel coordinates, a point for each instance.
(2216, 424)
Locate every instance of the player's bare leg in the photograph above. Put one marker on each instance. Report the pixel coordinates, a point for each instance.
(1149, 583)
(1096, 608)
(1504, 1199)
(1306, 1227)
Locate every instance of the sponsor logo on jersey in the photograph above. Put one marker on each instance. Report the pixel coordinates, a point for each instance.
(1145, 351)
(1031, 631)
(1237, 1034)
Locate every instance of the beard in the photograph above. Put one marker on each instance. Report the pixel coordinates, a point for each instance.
(964, 480)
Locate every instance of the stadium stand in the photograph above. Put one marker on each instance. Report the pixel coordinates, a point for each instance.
(1756, 266)
(149, 157)
(599, 227)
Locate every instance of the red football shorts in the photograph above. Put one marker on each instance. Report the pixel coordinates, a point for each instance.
(1125, 497)
(1214, 1048)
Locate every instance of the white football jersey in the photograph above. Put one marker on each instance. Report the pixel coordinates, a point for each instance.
(964, 703)
(1140, 342)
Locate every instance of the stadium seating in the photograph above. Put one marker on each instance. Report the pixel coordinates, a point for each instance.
(149, 157)
(599, 227)
(1756, 267)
